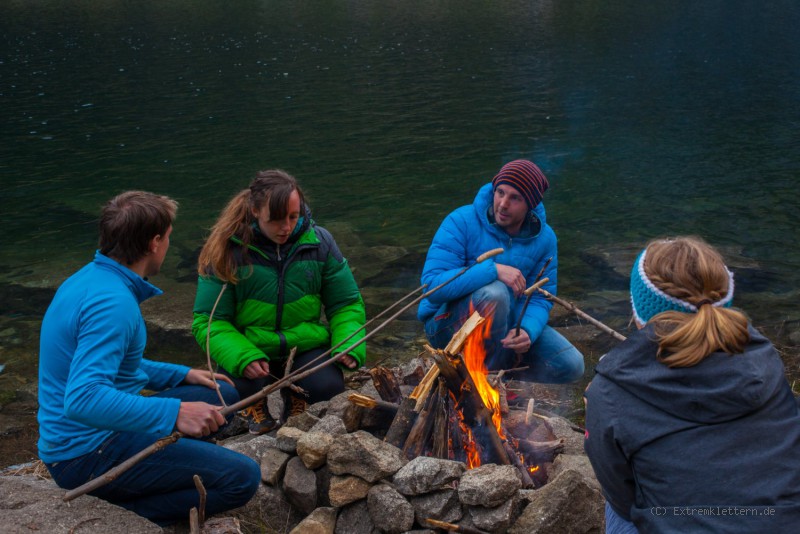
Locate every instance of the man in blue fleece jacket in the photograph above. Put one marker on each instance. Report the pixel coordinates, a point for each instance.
(92, 416)
(507, 213)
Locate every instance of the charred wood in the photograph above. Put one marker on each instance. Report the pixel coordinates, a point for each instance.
(385, 382)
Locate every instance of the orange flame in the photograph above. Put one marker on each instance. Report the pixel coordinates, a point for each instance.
(474, 354)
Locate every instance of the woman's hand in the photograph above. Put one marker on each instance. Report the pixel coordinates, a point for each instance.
(203, 377)
(256, 369)
(348, 361)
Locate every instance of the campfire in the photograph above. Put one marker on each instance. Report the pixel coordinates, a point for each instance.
(458, 412)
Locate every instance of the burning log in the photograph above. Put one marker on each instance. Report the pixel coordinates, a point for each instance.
(386, 384)
(421, 431)
(402, 423)
(412, 405)
(441, 445)
(476, 415)
(365, 401)
(527, 481)
(540, 451)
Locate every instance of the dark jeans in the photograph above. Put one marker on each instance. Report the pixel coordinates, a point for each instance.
(551, 358)
(161, 487)
(321, 385)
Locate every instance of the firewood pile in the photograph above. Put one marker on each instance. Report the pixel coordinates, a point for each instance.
(416, 447)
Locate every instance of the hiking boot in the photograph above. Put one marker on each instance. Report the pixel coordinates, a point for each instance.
(293, 404)
(259, 420)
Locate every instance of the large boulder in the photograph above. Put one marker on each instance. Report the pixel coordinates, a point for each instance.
(30, 504)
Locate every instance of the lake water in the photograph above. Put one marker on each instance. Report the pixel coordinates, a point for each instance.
(649, 118)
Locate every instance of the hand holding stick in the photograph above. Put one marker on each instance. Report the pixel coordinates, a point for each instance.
(528, 293)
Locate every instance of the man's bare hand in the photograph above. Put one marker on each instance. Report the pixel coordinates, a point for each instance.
(512, 277)
(198, 419)
(518, 343)
(256, 369)
(202, 377)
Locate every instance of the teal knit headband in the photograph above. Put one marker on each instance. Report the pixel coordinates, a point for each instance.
(647, 300)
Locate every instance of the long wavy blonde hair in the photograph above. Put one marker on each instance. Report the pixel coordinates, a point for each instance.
(272, 188)
(690, 269)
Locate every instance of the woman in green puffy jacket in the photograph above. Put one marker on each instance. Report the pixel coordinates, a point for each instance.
(267, 273)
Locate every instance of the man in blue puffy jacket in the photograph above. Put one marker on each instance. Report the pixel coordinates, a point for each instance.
(506, 213)
(92, 415)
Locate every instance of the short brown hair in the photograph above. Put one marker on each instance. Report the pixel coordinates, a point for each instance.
(130, 220)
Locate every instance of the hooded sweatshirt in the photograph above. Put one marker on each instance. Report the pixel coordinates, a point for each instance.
(714, 447)
(91, 364)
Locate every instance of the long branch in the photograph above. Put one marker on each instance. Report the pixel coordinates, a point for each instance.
(576, 311)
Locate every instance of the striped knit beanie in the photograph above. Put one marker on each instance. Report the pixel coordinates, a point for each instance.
(525, 177)
(647, 300)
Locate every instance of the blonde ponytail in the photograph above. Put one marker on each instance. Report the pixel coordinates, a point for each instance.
(690, 270)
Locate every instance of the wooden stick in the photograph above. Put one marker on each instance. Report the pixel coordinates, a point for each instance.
(453, 347)
(529, 412)
(201, 510)
(366, 401)
(541, 271)
(576, 311)
(527, 481)
(452, 527)
(440, 425)
(528, 293)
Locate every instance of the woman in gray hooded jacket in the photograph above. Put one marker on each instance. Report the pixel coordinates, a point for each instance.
(691, 423)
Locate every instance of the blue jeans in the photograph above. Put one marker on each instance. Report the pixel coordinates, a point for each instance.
(616, 524)
(160, 487)
(551, 359)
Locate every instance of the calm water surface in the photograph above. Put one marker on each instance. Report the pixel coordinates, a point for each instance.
(649, 118)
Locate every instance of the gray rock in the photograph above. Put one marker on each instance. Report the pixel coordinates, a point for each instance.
(389, 509)
(354, 519)
(568, 504)
(320, 521)
(424, 474)
(300, 486)
(495, 519)
(489, 485)
(270, 509)
(573, 440)
(252, 446)
(312, 448)
(574, 462)
(347, 489)
(330, 424)
(30, 504)
(287, 437)
(304, 421)
(318, 409)
(365, 456)
(273, 465)
(348, 412)
(440, 505)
